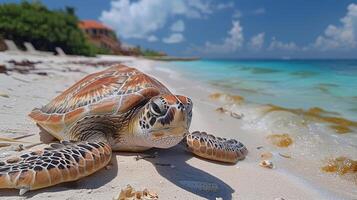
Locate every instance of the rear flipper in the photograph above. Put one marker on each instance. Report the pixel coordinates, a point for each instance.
(58, 163)
(215, 148)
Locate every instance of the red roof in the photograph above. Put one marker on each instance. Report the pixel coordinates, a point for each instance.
(92, 24)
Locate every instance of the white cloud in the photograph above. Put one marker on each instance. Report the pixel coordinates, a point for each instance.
(259, 11)
(201, 6)
(139, 19)
(340, 37)
(178, 26)
(238, 14)
(231, 43)
(278, 45)
(152, 38)
(174, 38)
(222, 6)
(257, 42)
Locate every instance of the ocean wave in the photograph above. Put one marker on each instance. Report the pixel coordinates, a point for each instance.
(310, 135)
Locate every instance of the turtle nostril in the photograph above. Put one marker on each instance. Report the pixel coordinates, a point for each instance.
(188, 108)
(184, 104)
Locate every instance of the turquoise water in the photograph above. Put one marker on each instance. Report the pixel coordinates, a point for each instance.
(329, 84)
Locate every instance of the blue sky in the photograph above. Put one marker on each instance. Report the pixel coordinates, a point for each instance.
(230, 29)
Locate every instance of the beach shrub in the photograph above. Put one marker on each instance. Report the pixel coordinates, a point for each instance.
(147, 52)
(150, 53)
(44, 28)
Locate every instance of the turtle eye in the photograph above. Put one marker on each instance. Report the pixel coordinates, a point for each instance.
(156, 109)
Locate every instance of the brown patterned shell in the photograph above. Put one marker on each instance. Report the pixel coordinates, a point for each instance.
(112, 91)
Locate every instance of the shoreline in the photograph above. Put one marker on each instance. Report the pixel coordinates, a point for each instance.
(245, 180)
(171, 58)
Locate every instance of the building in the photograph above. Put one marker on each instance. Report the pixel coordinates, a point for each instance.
(101, 35)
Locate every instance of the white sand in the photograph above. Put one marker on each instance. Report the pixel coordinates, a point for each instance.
(245, 180)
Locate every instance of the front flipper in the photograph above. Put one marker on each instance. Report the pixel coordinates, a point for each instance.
(215, 148)
(58, 163)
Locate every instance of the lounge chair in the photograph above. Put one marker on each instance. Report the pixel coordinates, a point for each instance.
(60, 52)
(31, 49)
(12, 48)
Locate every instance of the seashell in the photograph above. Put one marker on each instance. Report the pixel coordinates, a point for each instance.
(267, 164)
(236, 115)
(202, 186)
(284, 155)
(129, 193)
(4, 95)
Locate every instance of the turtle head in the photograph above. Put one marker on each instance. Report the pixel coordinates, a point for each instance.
(164, 120)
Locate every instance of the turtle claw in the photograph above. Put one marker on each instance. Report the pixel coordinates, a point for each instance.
(215, 148)
(23, 191)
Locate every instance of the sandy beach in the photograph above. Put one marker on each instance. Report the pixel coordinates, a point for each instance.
(173, 173)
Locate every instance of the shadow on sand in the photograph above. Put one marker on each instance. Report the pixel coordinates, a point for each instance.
(183, 172)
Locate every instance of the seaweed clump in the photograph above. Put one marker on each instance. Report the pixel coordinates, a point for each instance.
(339, 124)
(341, 165)
(227, 97)
(281, 140)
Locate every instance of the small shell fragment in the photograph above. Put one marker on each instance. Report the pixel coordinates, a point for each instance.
(236, 115)
(284, 155)
(129, 193)
(267, 164)
(4, 95)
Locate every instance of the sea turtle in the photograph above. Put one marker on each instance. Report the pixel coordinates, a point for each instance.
(117, 109)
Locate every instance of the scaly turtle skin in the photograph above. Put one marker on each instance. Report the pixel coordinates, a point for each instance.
(120, 109)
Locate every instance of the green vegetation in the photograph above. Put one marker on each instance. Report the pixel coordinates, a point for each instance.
(45, 29)
(150, 53)
(156, 55)
(138, 50)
